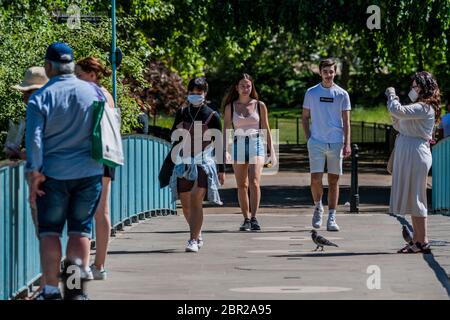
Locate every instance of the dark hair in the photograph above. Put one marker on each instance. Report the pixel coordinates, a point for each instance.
(429, 91)
(327, 63)
(199, 83)
(90, 64)
(233, 94)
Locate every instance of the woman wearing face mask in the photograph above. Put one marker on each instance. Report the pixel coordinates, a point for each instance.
(415, 123)
(248, 116)
(196, 172)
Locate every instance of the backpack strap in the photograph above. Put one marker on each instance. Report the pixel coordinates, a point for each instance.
(183, 111)
(259, 113)
(232, 113)
(100, 95)
(210, 117)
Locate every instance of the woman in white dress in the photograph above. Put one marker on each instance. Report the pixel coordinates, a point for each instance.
(412, 158)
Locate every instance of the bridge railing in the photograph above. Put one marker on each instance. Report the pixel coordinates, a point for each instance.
(135, 195)
(441, 177)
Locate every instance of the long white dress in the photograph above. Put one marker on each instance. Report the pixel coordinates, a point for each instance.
(412, 157)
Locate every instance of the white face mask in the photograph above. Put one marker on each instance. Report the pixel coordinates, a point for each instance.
(413, 95)
(196, 99)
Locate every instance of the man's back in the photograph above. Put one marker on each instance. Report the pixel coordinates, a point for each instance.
(59, 128)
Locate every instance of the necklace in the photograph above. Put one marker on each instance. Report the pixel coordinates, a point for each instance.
(190, 127)
(242, 110)
(194, 118)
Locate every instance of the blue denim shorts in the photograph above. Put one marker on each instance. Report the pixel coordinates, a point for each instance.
(74, 201)
(247, 147)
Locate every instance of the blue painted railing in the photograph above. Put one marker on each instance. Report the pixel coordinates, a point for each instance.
(19, 249)
(135, 194)
(441, 177)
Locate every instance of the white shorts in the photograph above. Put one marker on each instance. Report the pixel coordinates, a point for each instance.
(319, 152)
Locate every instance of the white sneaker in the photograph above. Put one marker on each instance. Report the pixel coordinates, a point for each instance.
(192, 246)
(89, 274)
(200, 241)
(98, 274)
(331, 224)
(317, 217)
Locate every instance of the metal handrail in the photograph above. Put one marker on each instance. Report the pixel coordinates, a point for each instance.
(135, 195)
(440, 189)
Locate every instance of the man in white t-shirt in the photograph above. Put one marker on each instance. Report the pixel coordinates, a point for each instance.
(328, 107)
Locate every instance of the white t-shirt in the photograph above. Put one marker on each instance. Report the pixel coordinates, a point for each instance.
(445, 124)
(326, 106)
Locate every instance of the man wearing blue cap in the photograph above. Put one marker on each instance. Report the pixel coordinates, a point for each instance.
(64, 181)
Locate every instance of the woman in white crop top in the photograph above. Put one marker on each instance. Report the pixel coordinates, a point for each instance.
(249, 118)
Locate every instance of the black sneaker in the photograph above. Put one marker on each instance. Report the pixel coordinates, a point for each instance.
(81, 296)
(245, 226)
(254, 225)
(52, 296)
(74, 289)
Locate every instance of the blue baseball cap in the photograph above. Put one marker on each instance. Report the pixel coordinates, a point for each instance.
(59, 52)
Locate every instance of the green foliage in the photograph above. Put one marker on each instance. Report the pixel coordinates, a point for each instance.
(278, 42)
(414, 35)
(129, 110)
(24, 38)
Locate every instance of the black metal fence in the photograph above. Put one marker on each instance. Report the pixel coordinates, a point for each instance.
(378, 135)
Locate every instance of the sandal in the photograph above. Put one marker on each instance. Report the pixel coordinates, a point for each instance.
(424, 247)
(416, 248)
(410, 249)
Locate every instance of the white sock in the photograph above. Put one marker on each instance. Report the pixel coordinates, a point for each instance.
(319, 204)
(50, 289)
(332, 212)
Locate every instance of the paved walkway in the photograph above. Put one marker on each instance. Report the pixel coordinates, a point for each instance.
(147, 260)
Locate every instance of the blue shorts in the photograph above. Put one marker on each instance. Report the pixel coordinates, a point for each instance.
(74, 201)
(246, 148)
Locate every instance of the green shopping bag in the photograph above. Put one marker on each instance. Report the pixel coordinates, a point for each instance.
(106, 138)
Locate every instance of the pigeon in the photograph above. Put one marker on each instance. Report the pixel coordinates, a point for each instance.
(321, 241)
(407, 235)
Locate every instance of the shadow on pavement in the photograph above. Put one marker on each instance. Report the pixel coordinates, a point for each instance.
(145, 252)
(331, 254)
(227, 231)
(300, 196)
(295, 158)
(439, 272)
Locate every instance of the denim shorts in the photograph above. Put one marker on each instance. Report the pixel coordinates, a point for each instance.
(74, 201)
(185, 185)
(245, 148)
